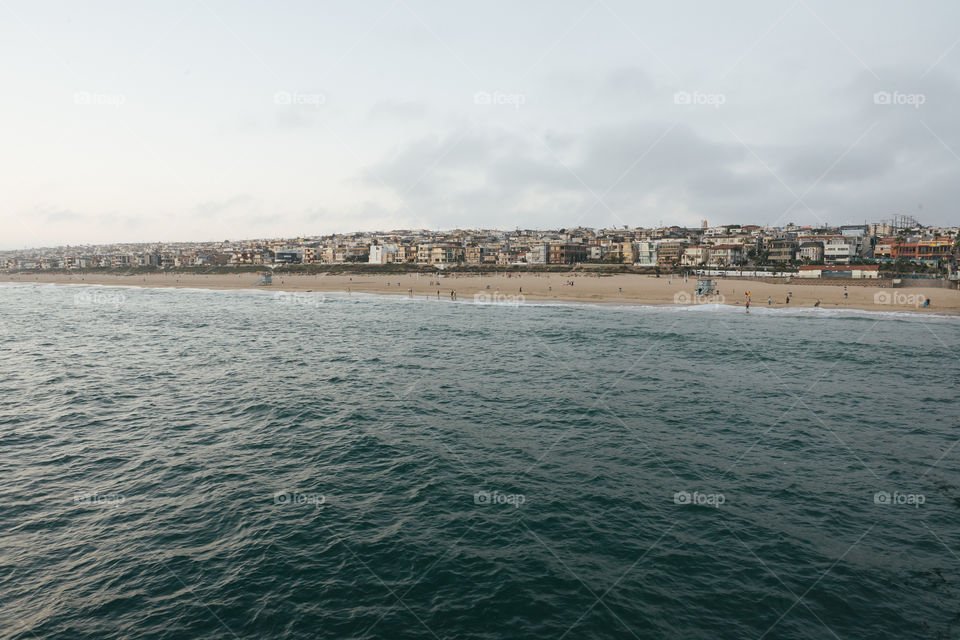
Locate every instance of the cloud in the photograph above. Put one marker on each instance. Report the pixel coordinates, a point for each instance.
(387, 110)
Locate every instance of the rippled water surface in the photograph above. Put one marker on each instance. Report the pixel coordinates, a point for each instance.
(200, 464)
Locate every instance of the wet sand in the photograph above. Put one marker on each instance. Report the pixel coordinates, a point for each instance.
(619, 288)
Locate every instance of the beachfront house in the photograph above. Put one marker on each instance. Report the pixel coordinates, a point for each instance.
(811, 251)
(646, 253)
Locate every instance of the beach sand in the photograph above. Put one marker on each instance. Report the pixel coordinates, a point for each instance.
(619, 288)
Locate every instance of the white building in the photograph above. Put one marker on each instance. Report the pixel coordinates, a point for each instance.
(839, 251)
(646, 254)
(382, 253)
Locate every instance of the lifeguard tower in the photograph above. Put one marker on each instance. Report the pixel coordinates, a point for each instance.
(705, 286)
(266, 279)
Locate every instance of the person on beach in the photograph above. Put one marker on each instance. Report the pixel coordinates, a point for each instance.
(748, 305)
(816, 304)
(769, 300)
(926, 303)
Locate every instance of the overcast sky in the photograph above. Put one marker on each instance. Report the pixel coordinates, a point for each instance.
(208, 120)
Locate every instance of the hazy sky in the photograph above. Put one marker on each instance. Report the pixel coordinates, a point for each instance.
(206, 120)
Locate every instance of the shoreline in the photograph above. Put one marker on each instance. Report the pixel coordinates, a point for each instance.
(625, 289)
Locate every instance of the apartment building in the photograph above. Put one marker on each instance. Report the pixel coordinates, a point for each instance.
(782, 250)
(811, 251)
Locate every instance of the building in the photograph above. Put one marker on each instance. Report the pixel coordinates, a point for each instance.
(930, 251)
(382, 253)
(287, 257)
(695, 256)
(621, 252)
(475, 254)
(839, 251)
(539, 253)
(782, 250)
(726, 255)
(669, 252)
(646, 254)
(567, 253)
(811, 251)
(444, 254)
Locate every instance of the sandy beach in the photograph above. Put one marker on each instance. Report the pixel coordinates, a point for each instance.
(558, 287)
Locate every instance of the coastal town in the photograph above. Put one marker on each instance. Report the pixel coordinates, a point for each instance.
(897, 245)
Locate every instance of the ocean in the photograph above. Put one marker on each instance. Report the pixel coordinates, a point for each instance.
(253, 464)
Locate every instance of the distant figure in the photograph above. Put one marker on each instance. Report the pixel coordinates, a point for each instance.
(816, 304)
(620, 289)
(926, 303)
(787, 300)
(769, 300)
(748, 305)
(844, 294)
